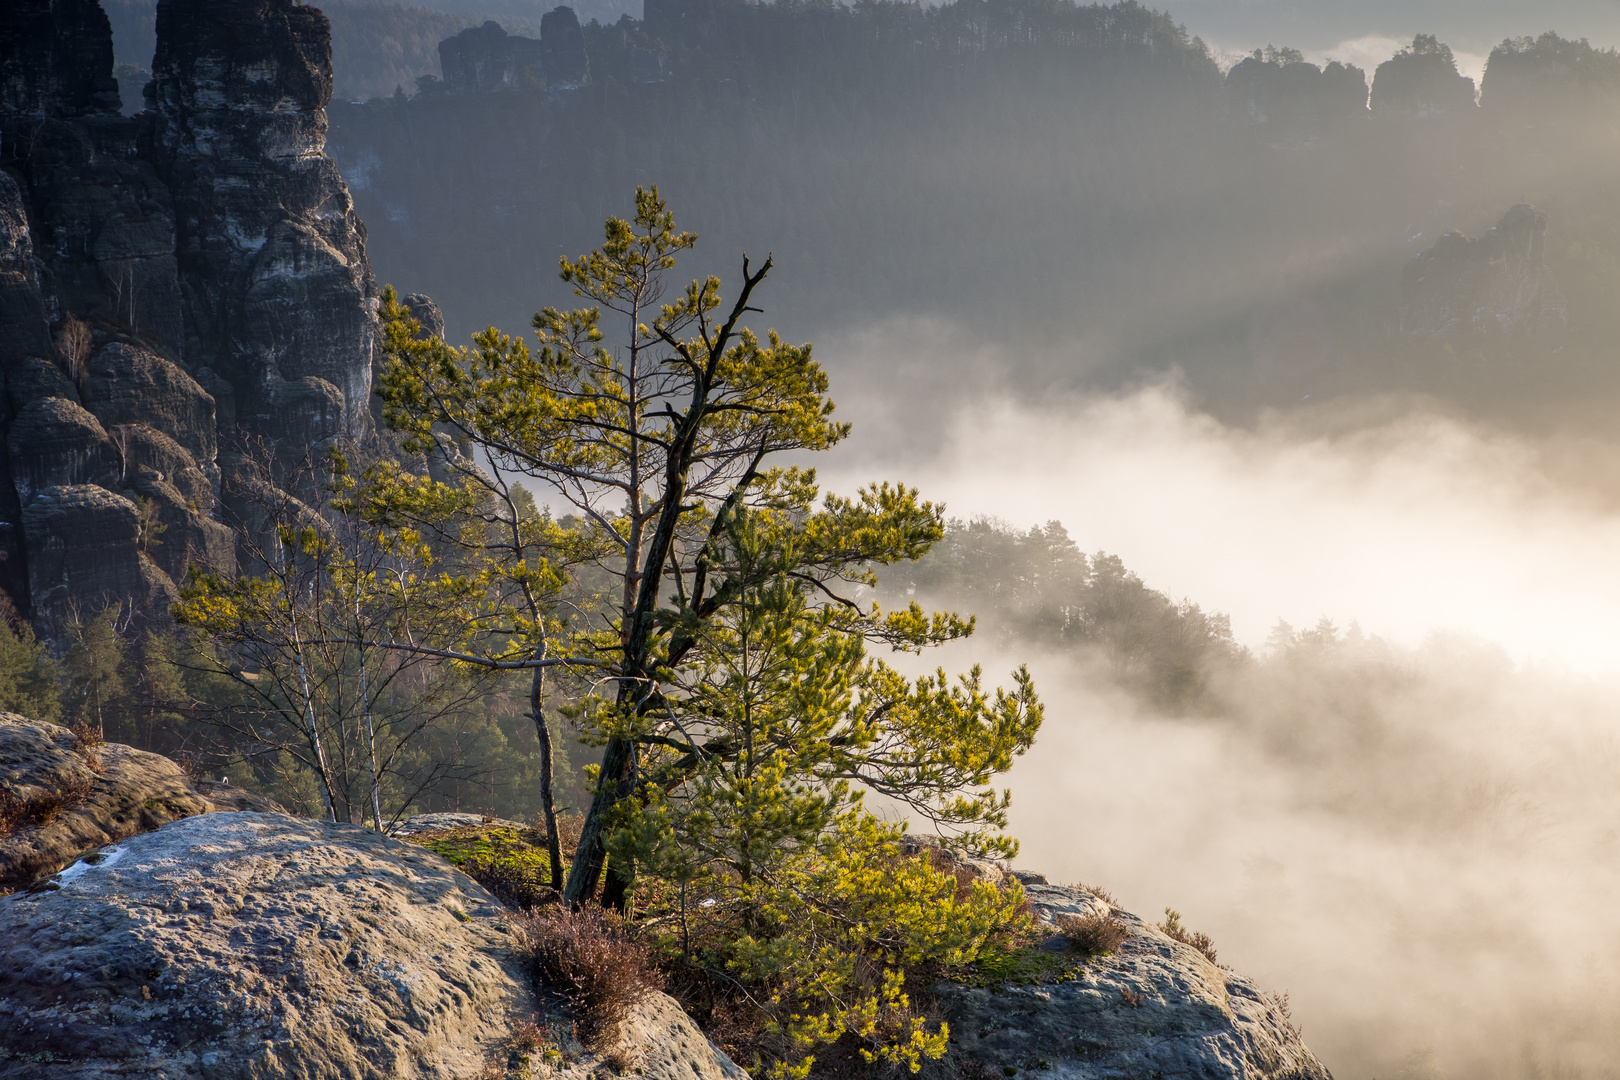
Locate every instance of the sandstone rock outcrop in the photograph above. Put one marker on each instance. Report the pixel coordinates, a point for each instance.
(95, 796)
(270, 248)
(1499, 283)
(1295, 99)
(1421, 82)
(168, 282)
(484, 59)
(256, 945)
(1152, 1007)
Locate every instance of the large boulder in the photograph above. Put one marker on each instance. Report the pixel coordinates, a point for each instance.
(69, 799)
(1154, 1006)
(255, 945)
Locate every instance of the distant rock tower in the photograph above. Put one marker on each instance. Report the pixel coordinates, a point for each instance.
(1497, 284)
(485, 59)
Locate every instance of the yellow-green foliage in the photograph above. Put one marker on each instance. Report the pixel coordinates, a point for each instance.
(825, 944)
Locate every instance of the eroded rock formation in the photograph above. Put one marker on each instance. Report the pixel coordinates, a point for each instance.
(1499, 283)
(60, 798)
(484, 59)
(1421, 82)
(170, 284)
(271, 251)
(1295, 99)
(253, 945)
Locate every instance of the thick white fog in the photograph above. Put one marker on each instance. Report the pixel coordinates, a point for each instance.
(1415, 833)
(1399, 519)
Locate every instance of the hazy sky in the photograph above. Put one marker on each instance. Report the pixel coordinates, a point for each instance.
(1361, 30)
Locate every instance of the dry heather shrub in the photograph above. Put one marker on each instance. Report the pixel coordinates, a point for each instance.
(1099, 892)
(1092, 934)
(530, 1036)
(15, 812)
(1172, 928)
(586, 957)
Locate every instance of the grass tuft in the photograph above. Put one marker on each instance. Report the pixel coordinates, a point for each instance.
(1093, 934)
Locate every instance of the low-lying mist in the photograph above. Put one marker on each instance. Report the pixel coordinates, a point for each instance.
(1409, 819)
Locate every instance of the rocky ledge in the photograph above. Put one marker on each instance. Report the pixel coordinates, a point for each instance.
(169, 940)
(1153, 1006)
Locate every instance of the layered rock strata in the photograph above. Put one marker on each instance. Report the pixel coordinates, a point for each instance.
(190, 278)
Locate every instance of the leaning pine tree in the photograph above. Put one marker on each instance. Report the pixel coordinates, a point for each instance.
(740, 717)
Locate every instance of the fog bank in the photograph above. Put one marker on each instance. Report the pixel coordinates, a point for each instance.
(1404, 520)
(1413, 829)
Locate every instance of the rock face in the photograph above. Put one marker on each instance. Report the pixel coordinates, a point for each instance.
(1499, 283)
(562, 49)
(168, 283)
(256, 945)
(56, 59)
(270, 248)
(484, 59)
(1153, 1007)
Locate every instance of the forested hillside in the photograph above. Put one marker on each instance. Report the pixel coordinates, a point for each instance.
(1081, 185)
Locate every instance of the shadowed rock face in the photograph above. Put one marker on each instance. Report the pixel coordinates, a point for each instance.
(56, 58)
(271, 252)
(211, 249)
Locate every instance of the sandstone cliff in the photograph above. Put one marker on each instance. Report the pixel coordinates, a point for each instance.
(171, 284)
(484, 59)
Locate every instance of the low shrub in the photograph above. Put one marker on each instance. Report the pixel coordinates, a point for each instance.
(1092, 934)
(813, 966)
(1172, 928)
(587, 958)
(41, 810)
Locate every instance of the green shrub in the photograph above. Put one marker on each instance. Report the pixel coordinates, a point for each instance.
(1172, 928)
